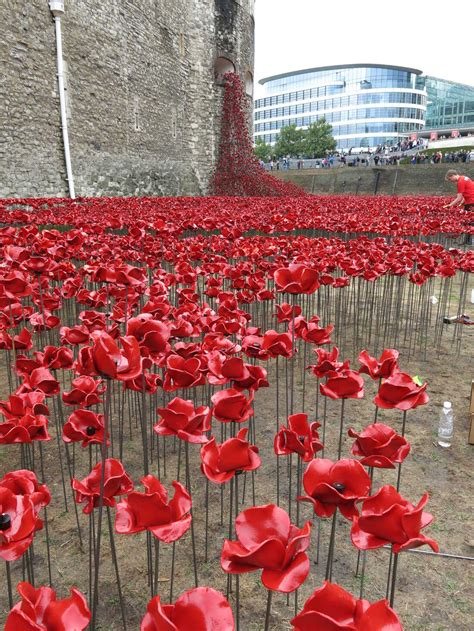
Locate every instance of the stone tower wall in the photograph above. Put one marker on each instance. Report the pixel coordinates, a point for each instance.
(143, 102)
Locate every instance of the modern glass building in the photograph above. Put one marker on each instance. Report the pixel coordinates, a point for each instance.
(450, 106)
(366, 104)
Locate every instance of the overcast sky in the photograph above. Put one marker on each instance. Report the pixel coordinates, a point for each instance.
(437, 38)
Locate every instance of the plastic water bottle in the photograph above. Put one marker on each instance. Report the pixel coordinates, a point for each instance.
(446, 421)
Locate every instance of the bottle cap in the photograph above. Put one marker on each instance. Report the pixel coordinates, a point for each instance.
(447, 404)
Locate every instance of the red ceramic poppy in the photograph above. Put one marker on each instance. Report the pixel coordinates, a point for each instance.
(382, 368)
(44, 321)
(6, 342)
(19, 342)
(256, 378)
(110, 361)
(231, 406)
(299, 324)
(276, 345)
(180, 418)
(152, 335)
(199, 609)
(300, 437)
(314, 334)
(76, 335)
(41, 379)
(218, 342)
(388, 518)
(39, 610)
(380, 446)
(105, 358)
(18, 523)
(37, 264)
(296, 279)
(147, 381)
(267, 540)
(183, 373)
(93, 320)
(13, 315)
(222, 369)
(345, 384)
(116, 482)
(331, 608)
(21, 404)
(55, 357)
(286, 312)
(24, 366)
(220, 463)
(252, 346)
(332, 485)
(25, 482)
(327, 362)
(85, 392)
(401, 392)
(16, 284)
(167, 520)
(24, 429)
(86, 426)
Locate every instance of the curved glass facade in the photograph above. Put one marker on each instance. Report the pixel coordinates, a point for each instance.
(366, 105)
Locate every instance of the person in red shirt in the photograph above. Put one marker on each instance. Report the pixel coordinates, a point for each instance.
(465, 196)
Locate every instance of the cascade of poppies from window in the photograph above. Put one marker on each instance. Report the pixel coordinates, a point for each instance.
(238, 172)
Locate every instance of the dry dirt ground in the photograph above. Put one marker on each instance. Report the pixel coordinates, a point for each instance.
(433, 593)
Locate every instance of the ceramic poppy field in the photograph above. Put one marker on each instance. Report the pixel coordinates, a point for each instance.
(218, 410)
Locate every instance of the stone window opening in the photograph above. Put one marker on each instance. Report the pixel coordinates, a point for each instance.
(221, 67)
(249, 83)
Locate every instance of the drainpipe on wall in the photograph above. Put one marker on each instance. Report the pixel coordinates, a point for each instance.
(57, 9)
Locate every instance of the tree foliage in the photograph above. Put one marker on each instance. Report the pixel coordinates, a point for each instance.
(318, 139)
(262, 150)
(315, 142)
(290, 142)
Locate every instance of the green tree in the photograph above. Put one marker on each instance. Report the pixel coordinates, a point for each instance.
(262, 150)
(318, 139)
(290, 142)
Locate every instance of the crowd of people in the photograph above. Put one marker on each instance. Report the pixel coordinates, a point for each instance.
(438, 157)
(402, 145)
(382, 156)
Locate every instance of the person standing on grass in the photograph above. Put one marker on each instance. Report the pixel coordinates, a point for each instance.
(465, 185)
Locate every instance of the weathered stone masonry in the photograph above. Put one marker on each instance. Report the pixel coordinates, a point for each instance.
(142, 98)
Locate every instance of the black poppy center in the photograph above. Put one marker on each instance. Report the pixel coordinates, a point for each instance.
(301, 439)
(5, 521)
(90, 431)
(339, 486)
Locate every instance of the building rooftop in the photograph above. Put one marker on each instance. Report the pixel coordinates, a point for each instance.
(339, 66)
